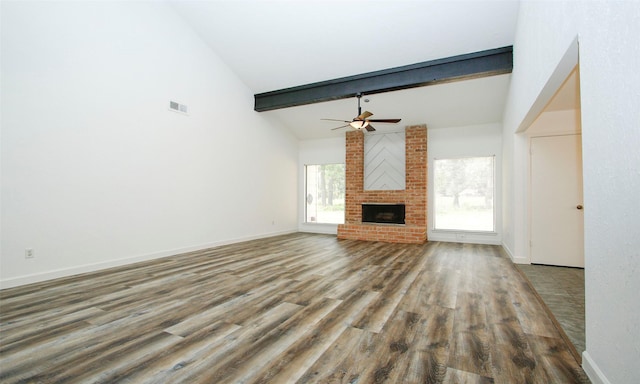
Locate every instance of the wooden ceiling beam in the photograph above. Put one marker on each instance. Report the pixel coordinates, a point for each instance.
(491, 62)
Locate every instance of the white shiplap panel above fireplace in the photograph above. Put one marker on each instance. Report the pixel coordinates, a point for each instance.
(384, 161)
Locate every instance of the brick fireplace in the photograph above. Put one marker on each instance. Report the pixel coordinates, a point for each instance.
(414, 196)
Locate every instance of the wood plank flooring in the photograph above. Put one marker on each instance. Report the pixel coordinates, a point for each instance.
(299, 308)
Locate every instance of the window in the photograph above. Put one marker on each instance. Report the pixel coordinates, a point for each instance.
(464, 190)
(324, 191)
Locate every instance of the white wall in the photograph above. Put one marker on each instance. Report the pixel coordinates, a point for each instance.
(96, 171)
(324, 151)
(476, 140)
(609, 56)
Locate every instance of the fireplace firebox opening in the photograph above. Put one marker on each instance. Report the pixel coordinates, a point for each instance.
(383, 213)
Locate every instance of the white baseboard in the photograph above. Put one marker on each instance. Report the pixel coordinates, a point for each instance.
(591, 369)
(520, 260)
(515, 259)
(86, 268)
(327, 229)
(469, 239)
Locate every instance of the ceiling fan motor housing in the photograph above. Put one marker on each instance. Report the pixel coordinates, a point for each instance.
(361, 121)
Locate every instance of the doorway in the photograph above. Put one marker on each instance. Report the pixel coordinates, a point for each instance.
(556, 212)
(556, 221)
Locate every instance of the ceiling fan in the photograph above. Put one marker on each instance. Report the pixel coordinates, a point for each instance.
(361, 121)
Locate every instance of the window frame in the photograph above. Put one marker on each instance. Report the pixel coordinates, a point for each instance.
(306, 193)
(494, 208)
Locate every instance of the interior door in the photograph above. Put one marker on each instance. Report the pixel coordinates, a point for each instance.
(557, 220)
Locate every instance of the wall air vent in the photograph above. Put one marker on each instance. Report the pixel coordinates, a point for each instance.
(177, 107)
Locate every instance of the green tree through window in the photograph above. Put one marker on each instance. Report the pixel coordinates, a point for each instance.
(464, 190)
(324, 193)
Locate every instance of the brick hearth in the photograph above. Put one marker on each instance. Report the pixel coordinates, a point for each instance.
(414, 196)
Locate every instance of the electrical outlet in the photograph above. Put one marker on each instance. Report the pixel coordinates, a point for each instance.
(29, 254)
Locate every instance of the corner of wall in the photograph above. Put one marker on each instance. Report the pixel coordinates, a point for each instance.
(592, 370)
(514, 259)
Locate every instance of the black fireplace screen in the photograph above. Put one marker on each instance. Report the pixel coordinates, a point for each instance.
(383, 213)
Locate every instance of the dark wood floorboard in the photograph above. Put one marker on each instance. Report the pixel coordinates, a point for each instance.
(299, 308)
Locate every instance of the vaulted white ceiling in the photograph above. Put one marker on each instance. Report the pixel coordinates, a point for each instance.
(272, 45)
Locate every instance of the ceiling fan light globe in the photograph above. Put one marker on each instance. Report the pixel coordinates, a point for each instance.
(359, 124)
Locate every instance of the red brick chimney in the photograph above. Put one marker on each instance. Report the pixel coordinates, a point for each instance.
(414, 196)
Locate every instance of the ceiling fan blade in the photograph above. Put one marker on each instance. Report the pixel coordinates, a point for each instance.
(385, 120)
(369, 128)
(342, 121)
(344, 126)
(364, 115)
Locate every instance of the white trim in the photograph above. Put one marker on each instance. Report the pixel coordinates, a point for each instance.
(453, 238)
(94, 267)
(514, 259)
(533, 135)
(591, 369)
(507, 250)
(465, 231)
(325, 228)
(520, 260)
